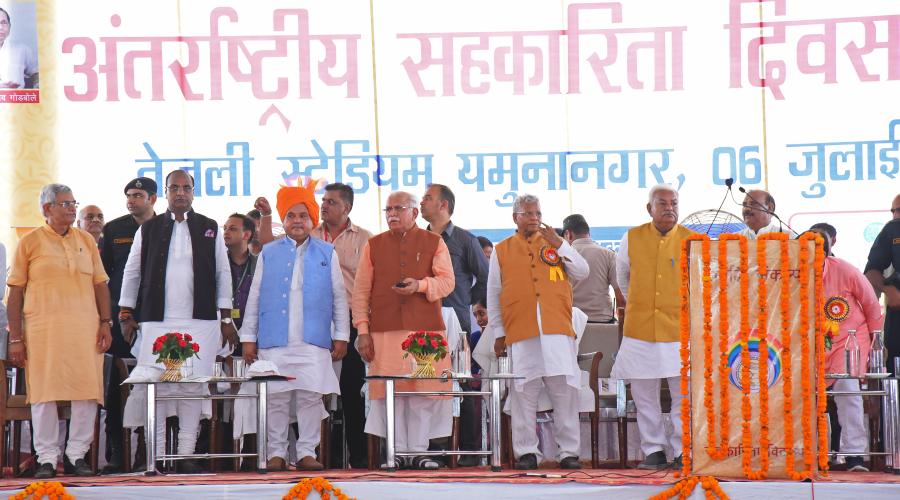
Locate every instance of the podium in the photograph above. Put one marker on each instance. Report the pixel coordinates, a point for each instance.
(752, 360)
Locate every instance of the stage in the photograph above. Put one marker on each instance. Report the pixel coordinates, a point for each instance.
(473, 483)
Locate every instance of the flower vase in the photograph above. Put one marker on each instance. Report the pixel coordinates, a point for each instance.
(173, 371)
(424, 365)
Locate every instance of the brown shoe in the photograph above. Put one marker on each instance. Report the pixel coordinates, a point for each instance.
(309, 463)
(276, 463)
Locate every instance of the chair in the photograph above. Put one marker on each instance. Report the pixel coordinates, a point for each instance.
(14, 409)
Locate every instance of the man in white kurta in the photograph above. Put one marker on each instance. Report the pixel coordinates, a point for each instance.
(296, 355)
(758, 210)
(180, 299)
(648, 267)
(522, 271)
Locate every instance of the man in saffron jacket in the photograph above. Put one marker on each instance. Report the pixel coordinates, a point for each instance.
(402, 276)
(296, 294)
(530, 309)
(647, 266)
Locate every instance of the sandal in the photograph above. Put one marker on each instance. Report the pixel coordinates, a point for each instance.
(423, 462)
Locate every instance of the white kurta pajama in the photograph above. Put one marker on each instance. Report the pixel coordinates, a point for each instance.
(309, 364)
(549, 361)
(178, 317)
(644, 364)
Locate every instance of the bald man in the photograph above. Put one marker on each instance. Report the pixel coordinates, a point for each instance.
(90, 219)
(758, 210)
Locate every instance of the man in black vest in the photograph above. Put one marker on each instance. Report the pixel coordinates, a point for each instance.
(177, 279)
(118, 234)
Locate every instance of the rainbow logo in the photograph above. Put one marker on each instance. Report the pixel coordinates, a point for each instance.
(734, 362)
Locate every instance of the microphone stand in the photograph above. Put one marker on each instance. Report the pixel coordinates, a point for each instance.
(728, 183)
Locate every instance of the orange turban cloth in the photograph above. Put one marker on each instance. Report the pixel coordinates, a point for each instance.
(288, 196)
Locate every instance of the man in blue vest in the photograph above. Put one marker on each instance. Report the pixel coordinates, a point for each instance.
(296, 294)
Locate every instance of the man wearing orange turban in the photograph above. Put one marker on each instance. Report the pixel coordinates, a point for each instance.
(296, 294)
(288, 196)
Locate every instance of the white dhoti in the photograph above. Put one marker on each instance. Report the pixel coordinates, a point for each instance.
(415, 421)
(45, 420)
(650, 422)
(314, 377)
(850, 416)
(206, 333)
(566, 426)
(644, 364)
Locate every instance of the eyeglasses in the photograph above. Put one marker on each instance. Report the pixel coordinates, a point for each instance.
(90, 217)
(530, 215)
(66, 204)
(395, 208)
(184, 189)
(895, 210)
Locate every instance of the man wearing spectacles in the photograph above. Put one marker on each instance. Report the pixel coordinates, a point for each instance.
(177, 279)
(402, 276)
(530, 309)
(882, 272)
(758, 209)
(90, 219)
(115, 245)
(60, 336)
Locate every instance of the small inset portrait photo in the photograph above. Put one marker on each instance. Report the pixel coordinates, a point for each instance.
(19, 80)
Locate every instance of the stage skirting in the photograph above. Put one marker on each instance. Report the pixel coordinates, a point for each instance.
(469, 485)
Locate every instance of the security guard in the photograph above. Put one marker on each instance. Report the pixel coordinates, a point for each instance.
(118, 234)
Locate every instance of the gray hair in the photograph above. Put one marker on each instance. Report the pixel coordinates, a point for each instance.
(661, 188)
(49, 192)
(413, 199)
(523, 199)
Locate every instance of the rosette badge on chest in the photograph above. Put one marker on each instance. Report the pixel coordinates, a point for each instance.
(551, 257)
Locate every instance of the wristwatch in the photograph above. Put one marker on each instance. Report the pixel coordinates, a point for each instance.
(226, 321)
(105, 321)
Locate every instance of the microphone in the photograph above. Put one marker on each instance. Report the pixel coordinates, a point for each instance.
(762, 208)
(728, 182)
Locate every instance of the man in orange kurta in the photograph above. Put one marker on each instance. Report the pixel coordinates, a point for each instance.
(59, 312)
(385, 313)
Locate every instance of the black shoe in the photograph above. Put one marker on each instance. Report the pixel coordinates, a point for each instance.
(113, 467)
(855, 464)
(468, 461)
(45, 471)
(189, 467)
(677, 463)
(82, 469)
(527, 461)
(570, 463)
(654, 461)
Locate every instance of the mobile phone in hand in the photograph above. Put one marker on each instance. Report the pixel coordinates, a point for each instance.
(401, 284)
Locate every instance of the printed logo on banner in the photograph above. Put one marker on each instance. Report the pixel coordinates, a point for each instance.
(735, 365)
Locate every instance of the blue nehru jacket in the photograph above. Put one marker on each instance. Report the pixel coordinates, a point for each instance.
(275, 293)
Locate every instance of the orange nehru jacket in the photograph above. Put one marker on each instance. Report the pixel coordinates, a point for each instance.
(526, 283)
(398, 258)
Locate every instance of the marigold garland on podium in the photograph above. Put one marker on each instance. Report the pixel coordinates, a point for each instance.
(752, 362)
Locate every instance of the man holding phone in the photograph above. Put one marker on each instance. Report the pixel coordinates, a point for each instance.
(402, 276)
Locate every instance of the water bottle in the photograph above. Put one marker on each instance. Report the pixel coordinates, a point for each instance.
(851, 355)
(462, 356)
(876, 357)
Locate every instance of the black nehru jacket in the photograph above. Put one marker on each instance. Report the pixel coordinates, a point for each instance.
(156, 234)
